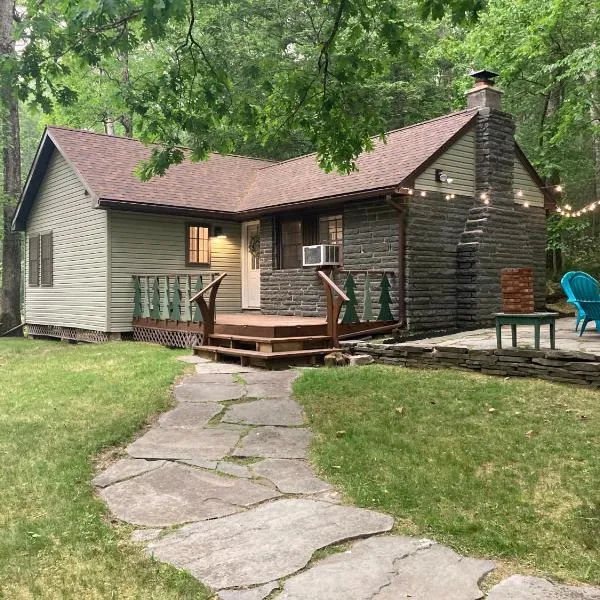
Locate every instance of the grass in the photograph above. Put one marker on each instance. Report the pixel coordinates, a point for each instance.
(61, 405)
(506, 469)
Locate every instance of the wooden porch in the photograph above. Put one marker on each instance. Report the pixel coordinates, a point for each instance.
(171, 313)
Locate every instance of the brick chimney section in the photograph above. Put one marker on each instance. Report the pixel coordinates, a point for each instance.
(517, 290)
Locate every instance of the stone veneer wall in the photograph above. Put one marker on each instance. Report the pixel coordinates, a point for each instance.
(581, 368)
(371, 229)
(296, 292)
(501, 234)
(433, 229)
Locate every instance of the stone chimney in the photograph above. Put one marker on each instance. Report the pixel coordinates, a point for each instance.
(483, 94)
(498, 233)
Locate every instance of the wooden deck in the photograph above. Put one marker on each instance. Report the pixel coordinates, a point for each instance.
(255, 338)
(169, 313)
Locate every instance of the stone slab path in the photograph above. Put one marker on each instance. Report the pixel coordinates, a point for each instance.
(221, 487)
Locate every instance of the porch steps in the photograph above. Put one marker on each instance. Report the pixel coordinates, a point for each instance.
(259, 358)
(269, 344)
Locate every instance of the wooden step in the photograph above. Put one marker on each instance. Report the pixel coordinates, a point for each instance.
(262, 358)
(265, 340)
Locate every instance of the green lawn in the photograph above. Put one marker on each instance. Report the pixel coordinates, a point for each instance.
(61, 405)
(507, 469)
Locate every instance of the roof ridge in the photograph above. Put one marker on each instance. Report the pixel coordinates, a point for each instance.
(446, 116)
(131, 139)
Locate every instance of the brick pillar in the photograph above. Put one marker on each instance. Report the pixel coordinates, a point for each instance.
(517, 290)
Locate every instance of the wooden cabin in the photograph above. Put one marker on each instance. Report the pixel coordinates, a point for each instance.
(294, 258)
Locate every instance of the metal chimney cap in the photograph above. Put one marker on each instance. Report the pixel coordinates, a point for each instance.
(484, 75)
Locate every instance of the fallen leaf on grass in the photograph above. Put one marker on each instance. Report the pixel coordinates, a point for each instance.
(400, 410)
(529, 433)
(340, 433)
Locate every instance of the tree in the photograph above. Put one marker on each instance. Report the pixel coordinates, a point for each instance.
(229, 73)
(10, 295)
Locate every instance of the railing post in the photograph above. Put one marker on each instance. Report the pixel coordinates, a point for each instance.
(208, 310)
(334, 298)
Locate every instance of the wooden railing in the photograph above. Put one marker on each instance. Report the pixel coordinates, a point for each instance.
(335, 299)
(208, 309)
(168, 296)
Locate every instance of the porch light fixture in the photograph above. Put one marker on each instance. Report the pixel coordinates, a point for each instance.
(442, 177)
(218, 232)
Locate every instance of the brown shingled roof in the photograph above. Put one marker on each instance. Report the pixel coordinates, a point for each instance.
(107, 163)
(235, 185)
(390, 164)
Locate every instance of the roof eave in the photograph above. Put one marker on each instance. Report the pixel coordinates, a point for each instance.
(320, 201)
(167, 209)
(35, 177)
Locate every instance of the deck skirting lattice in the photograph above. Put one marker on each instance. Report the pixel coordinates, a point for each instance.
(167, 337)
(74, 334)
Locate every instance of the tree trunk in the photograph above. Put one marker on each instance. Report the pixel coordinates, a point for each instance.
(10, 299)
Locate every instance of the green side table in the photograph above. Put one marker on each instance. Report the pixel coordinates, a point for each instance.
(536, 319)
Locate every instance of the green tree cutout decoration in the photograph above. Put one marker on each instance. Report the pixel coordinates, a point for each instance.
(350, 315)
(138, 310)
(165, 309)
(197, 313)
(155, 311)
(175, 313)
(368, 300)
(385, 300)
(186, 312)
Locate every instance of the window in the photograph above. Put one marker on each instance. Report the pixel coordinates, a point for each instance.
(291, 244)
(331, 230)
(197, 245)
(306, 231)
(47, 259)
(34, 261)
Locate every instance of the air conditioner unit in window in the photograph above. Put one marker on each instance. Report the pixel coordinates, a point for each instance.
(320, 256)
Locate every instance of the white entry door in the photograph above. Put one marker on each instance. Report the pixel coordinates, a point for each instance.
(251, 264)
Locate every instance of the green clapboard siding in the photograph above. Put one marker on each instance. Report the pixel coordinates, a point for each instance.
(155, 244)
(524, 182)
(459, 164)
(78, 296)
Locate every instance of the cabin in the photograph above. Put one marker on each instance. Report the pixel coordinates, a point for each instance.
(244, 257)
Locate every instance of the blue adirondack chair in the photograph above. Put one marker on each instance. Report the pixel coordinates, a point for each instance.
(586, 297)
(565, 282)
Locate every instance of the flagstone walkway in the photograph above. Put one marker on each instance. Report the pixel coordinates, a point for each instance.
(222, 488)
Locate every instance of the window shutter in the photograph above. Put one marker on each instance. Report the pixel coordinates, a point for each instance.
(47, 259)
(34, 261)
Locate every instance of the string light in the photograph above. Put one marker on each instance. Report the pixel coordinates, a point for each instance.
(520, 194)
(410, 191)
(423, 193)
(526, 204)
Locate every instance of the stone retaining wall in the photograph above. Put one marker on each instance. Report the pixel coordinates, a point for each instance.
(555, 365)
